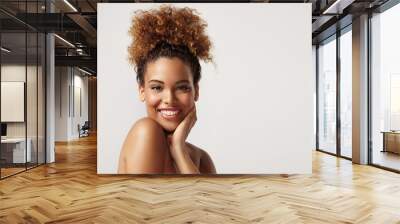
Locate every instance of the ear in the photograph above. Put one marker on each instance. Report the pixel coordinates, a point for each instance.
(196, 92)
(141, 92)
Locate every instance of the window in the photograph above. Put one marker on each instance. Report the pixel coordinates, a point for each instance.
(385, 89)
(327, 96)
(346, 93)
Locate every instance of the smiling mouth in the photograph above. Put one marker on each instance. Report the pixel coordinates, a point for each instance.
(169, 114)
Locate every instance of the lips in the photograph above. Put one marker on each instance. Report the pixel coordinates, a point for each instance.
(169, 113)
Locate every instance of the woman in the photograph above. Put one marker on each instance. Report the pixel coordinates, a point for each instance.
(166, 48)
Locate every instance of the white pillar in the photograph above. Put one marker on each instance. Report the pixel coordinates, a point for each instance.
(50, 99)
(50, 93)
(360, 90)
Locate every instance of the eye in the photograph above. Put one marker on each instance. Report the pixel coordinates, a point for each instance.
(184, 88)
(156, 88)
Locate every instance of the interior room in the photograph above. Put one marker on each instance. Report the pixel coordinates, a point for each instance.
(50, 130)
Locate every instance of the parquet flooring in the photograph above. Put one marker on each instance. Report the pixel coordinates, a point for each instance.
(387, 159)
(10, 171)
(70, 191)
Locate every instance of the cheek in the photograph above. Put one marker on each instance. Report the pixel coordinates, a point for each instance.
(152, 100)
(187, 100)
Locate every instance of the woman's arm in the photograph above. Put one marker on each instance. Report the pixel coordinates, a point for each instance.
(144, 150)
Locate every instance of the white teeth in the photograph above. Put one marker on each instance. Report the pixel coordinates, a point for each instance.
(169, 112)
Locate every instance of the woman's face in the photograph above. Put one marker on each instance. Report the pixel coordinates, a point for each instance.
(168, 91)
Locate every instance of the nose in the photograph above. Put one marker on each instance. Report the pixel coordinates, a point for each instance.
(169, 97)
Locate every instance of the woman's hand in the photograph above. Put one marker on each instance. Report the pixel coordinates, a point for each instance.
(178, 138)
(177, 144)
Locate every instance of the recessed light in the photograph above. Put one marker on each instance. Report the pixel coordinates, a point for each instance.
(70, 5)
(84, 71)
(5, 50)
(64, 40)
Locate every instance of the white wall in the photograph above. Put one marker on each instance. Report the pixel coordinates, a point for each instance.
(61, 103)
(80, 94)
(255, 112)
(68, 81)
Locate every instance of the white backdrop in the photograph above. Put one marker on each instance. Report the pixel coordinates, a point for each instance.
(255, 111)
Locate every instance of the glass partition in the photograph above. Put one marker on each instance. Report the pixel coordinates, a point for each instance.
(385, 89)
(13, 94)
(22, 67)
(346, 93)
(327, 96)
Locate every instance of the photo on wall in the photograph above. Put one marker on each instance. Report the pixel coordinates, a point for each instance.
(186, 89)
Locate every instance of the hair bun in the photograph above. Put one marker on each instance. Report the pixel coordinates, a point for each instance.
(176, 26)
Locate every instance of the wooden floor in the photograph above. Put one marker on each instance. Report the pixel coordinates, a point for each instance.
(70, 191)
(387, 159)
(10, 171)
(5, 172)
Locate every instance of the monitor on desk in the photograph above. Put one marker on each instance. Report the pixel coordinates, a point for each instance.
(3, 130)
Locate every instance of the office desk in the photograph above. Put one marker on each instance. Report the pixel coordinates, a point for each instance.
(15, 148)
(391, 141)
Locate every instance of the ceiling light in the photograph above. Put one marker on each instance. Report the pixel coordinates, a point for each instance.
(70, 5)
(5, 50)
(64, 40)
(329, 9)
(338, 6)
(84, 71)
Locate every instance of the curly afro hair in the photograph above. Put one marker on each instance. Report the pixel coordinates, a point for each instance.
(168, 32)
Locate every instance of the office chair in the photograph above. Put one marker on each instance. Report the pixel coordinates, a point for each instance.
(84, 130)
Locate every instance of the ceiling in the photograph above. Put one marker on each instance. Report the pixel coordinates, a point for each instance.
(76, 22)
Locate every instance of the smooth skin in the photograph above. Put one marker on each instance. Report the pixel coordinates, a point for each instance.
(157, 143)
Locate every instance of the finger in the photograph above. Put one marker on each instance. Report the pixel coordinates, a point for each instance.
(187, 122)
(191, 114)
(194, 118)
(193, 123)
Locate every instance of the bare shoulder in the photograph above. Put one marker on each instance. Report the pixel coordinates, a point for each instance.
(145, 126)
(143, 148)
(146, 130)
(206, 163)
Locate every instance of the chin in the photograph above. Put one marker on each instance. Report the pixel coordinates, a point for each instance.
(168, 127)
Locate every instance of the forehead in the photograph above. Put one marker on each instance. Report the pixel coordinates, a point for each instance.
(168, 70)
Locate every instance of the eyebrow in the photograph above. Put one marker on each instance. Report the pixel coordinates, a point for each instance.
(182, 81)
(155, 80)
(179, 82)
